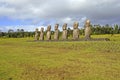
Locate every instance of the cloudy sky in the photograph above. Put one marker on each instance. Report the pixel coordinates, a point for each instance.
(30, 14)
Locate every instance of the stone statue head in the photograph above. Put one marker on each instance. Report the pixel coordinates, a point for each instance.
(49, 28)
(64, 26)
(87, 23)
(42, 29)
(36, 29)
(56, 26)
(75, 25)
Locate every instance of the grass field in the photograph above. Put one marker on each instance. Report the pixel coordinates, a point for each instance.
(84, 60)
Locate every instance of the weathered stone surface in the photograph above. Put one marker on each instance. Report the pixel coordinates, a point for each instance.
(64, 33)
(87, 30)
(48, 35)
(42, 34)
(36, 34)
(56, 33)
(75, 31)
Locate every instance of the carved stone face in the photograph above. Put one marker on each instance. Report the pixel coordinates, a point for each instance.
(76, 24)
(87, 23)
(42, 29)
(56, 26)
(49, 28)
(65, 26)
(36, 30)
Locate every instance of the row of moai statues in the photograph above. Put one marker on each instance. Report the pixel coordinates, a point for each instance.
(64, 32)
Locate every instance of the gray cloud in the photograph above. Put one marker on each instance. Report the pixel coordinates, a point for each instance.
(61, 11)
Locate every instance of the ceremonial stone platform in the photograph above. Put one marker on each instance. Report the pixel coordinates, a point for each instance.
(71, 40)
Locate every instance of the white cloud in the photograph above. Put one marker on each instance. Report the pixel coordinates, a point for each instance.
(62, 11)
(25, 9)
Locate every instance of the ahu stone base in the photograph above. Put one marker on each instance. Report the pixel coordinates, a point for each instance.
(72, 40)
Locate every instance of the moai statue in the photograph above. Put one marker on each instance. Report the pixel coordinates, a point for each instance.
(48, 32)
(87, 30)
(56, 34)
(42, 34)
(36, 34)
(64, 33)
(76, 31)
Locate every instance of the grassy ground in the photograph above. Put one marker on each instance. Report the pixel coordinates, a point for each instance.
(84, 60)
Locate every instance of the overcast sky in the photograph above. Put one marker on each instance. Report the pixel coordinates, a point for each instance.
(30, 14)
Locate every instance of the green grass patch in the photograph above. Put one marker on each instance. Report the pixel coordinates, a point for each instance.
(84, 60)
